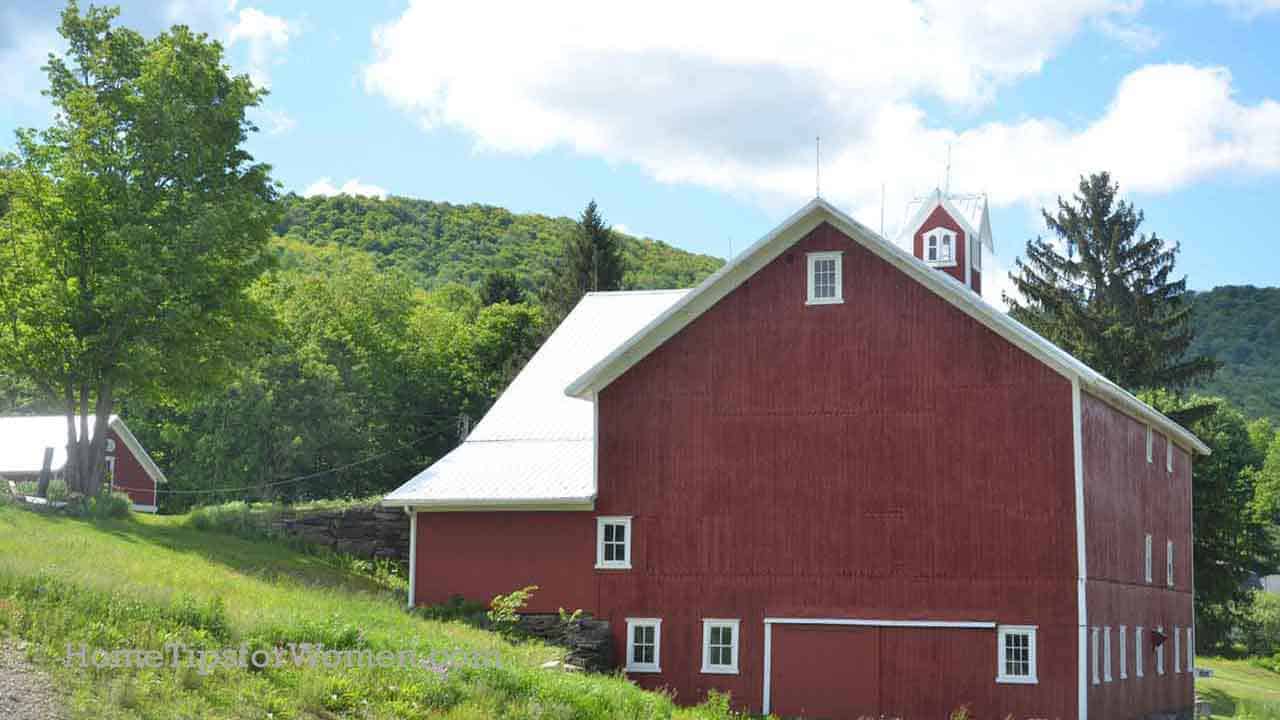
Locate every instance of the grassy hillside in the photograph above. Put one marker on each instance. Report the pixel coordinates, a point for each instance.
(1240, 325)
(1239, 689)
(145, 582)
(441, 242)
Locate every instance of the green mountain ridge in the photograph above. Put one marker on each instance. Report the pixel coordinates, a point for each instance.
(437, 243)
(1240, 325)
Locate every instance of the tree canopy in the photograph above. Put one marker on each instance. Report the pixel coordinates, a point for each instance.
(136, 223)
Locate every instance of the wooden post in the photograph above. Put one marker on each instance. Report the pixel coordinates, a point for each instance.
(46, 471)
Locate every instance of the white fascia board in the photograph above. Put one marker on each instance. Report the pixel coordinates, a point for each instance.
(135, 447)
(509, 504)
(867, 622)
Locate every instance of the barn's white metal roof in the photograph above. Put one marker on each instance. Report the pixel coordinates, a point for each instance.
(534, 446)
(23, 440)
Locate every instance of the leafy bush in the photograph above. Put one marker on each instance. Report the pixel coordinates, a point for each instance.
(57, 491)
(504, 610)
(1260, 627)
(103, 506)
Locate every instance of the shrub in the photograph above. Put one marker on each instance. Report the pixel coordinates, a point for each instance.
(102, 506)
(1260, 627)
(458, 609)
(504, 610)
(57, 491)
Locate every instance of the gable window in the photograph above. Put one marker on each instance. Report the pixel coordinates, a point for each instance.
(720, 646)
(1147, 574)
(825, 279)
(644, 644)
(1137, 651)
(1124, 660)
(939, 247)
(975, 254)
(613, 543)
(1168, 563)
(1017, 654)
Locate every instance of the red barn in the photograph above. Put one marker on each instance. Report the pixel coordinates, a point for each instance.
(833, 482)
(23, 440)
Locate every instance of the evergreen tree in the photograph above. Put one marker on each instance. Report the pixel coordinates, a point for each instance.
(590, 260)
(1109, 300)
(501, 286)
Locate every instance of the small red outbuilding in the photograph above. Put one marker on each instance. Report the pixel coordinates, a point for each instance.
(23, 440)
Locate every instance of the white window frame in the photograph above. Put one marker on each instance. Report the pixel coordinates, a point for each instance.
(1124, 653)
(1191, 651)
(1160, 652)
(1151, 440)
(1148, 561)
(975, 254)
(811, 264)
(1106, 654)
(1137, 651)
(711, 623)
(1168, 563)
(1177, 650)
(601, 522)
(656, 665)
(1168, 455)
(1003, 631)
(1093, 644)
(937, 235)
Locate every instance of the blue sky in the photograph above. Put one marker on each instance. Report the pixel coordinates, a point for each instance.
(701, 132)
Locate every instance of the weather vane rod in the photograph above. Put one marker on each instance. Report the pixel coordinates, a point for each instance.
(817, 166)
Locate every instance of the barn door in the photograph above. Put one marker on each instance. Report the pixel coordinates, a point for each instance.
(825, 671)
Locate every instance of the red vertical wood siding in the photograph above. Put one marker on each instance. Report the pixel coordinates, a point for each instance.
(1125, 498)
(130, 477)
(888, 457)
(481, 554)
(940, 217)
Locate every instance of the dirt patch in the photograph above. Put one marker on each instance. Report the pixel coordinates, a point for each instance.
(26, 693)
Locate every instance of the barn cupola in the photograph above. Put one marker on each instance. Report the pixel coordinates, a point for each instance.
(948, 232)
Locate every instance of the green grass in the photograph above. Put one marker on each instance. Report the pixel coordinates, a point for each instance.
(146, 581)
(1239, 689)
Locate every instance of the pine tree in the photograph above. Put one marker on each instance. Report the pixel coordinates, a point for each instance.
(590, 260)
(1109, 300)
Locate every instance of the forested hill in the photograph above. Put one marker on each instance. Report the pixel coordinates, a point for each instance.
(1240, 325)
(437, 242)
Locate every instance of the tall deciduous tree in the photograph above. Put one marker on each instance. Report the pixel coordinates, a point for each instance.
(1110, 299)
(590, 260)
(136, 223)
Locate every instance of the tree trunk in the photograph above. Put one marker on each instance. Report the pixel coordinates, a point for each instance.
(86, 458)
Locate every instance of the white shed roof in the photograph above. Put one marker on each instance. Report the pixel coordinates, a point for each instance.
(534, 448)
(23, 440)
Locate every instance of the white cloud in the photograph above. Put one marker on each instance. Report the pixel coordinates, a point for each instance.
(732, 99)
(274, 122)
(266, 36)
(1249, 8)
(325, 186)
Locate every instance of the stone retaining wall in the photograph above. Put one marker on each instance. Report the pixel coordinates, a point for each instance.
(369, 532)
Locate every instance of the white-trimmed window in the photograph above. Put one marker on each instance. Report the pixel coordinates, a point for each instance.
(1177, 650)
(1124, 652)
(1168, 563)
(644, 645)
(1106, 654)
(1191, 652)
(720, 646)
(1151, 441)
(1093, 647)
(1160, 653)
(1168, 455)
(1138, 652)
(940, 247)
(1147, 573)
(825, 278)
(1017, 654)
(975, 253)
(613, 542)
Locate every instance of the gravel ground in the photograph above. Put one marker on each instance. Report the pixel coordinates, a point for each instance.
(25, 692)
